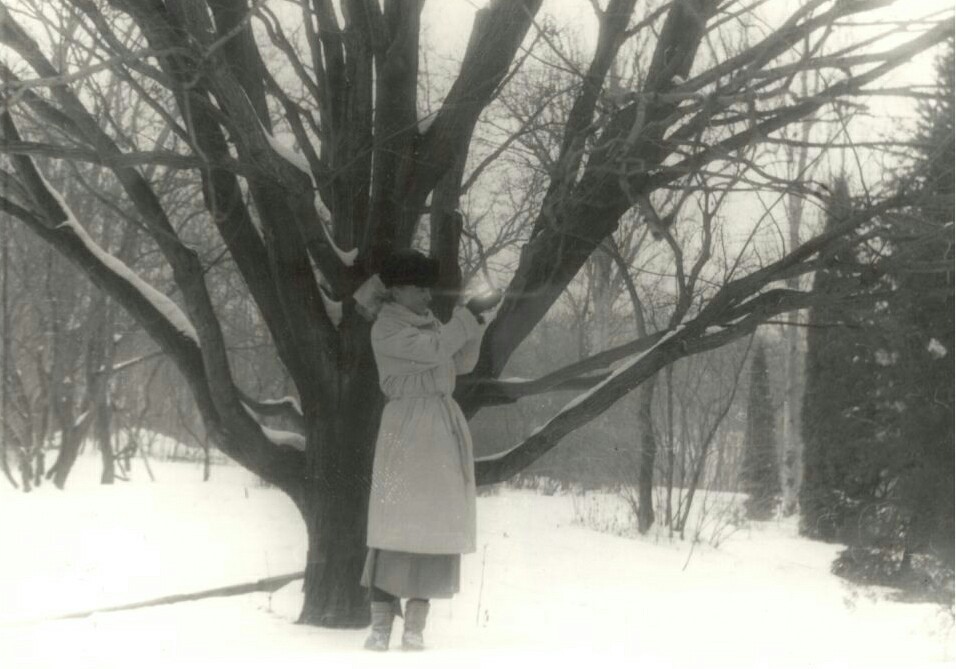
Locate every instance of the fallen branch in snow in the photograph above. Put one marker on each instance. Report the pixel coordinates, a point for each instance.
(270, 584)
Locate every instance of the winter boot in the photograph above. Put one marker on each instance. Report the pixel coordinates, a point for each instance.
(416, 611)
(383, 613)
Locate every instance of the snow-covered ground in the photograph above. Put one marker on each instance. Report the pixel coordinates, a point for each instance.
(544, 586)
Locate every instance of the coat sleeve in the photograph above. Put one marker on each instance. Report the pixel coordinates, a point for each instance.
(467, 357)
(423, 349)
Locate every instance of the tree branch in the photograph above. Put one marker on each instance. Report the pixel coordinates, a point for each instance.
(117, 161)
(696, 336)
(495, 38)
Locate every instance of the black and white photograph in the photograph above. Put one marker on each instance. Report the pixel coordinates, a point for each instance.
(477, 333)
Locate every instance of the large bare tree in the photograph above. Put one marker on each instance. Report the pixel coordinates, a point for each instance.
(220, 80)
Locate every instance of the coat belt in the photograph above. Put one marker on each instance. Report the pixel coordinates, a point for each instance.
(419, 396)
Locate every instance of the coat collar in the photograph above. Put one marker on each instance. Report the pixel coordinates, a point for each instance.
(405, 315)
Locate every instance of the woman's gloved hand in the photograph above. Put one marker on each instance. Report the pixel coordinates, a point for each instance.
(370, 297)
(482, 303)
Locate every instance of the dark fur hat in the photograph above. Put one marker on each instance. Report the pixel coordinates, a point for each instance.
(409, 268)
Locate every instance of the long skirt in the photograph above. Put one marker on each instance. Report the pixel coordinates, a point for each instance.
(412, 575)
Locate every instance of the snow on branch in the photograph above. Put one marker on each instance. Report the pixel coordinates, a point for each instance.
(287, 408)
(162, 303)
(333, 308)
(732, 314)
(298, 161)
(575, 403)
(580, 375)
(288, 402)
(284, 438)
(505, 391)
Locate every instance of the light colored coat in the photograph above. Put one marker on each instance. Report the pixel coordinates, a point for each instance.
(423, 481)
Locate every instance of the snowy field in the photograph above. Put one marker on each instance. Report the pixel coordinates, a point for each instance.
(544, 586)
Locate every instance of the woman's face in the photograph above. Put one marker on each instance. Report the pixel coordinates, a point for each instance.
(414, 298)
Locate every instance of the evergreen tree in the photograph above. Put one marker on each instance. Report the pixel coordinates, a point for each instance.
(922, 307)
(845, 443)
(759, 475)
(878, 411)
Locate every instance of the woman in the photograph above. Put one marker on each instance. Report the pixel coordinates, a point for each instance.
(422, 505)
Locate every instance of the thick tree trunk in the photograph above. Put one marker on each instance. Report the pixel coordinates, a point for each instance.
(336, 517)
(335, 505)
(335, 521)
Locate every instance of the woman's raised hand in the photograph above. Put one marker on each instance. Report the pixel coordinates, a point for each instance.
(484, 302)
(370, 296)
